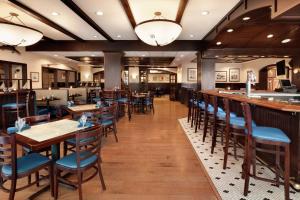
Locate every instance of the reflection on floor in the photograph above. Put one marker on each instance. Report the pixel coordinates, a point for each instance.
(228, 182)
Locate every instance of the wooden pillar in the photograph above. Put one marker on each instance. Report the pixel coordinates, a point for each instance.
(295, 64)
(112, 70)
(206, 72)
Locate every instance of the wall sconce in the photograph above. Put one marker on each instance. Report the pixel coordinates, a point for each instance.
(296, 70)
(134, 76)
(87, 75)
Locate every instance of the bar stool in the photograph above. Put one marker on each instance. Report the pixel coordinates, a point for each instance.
(200, 111)
(192, 106)
(235, 127)
(266, 136)
(14, 109)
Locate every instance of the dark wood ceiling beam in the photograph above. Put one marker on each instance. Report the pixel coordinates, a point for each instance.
(71, 5)
(211, 53)
(239, 10)
(120, 45)
(181, 8)
(43, 19)
(128, 12)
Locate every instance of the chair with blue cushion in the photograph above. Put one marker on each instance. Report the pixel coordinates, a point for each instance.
(13, 168)
(124, 100)
(265, 137)
(108, 120)
(81, 160)
(235, 128)
(191, 106)
(149, 102)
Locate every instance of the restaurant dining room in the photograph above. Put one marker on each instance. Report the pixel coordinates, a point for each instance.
(143, 100)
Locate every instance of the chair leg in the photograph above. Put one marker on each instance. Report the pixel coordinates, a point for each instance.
(254, 158)
(205, 127)
(51, 177)
(277, 167)
(214, 137)
(79, 177)
(226, 147)
(55, 182)
(247, 168)
(287, 172)
(115, 132)
(189, 112)
(12, 189)
(129, 111)
(29, 179)
(37, 178)
(196, 119)
(101, 175)
(235, 146)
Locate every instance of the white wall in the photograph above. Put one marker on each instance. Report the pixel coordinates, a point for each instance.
(182, 72)
(35, 61)
(254, 65)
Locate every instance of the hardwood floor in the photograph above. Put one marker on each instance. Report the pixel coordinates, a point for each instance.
(153, 160)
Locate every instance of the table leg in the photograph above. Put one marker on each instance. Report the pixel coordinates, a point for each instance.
(55, 149)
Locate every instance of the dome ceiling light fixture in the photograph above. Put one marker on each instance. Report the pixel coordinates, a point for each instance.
(18, 34)
(158, 31)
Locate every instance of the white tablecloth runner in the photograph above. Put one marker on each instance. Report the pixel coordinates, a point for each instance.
(83, 107)
(51, 130)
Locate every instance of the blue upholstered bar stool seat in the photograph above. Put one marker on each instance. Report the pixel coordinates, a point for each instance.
(239, 122)
(122, 100)
(270, 133)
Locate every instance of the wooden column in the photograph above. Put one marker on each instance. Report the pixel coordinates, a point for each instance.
(112, 70)
(206, 72)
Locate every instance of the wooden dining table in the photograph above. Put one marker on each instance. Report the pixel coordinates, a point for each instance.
(140, 98)
(79, 109)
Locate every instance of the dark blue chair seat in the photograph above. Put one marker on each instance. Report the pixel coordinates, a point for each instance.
(73, 140)
(106, 122)
(8, 105)
(122, 100)
(96, 99)
(239, 122)
(222, 115)
(211, 109)
(270, 133)
(26, 163)
(69, 161)
(43, 111)
(148, 103)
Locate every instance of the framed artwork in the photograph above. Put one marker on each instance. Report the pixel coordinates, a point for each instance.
(234, 75)
(192, 74)
(221, 76)
(34, 76)
(272, 73)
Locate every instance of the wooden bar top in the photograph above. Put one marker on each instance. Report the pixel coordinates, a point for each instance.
(276, 105)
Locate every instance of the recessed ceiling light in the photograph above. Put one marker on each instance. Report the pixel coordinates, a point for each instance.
(119, 36)
(99, 12)
(55, 55)
(93, 55)
(285, 40)
(205, 12)
(55, 13)
(270, 36)
(95, 36)
(181, 55)
(191, 35)
(217, 56)
(218, 43)
(143, 55)
(262, 56)
(286, 56)
(230, 30)
(246, 18)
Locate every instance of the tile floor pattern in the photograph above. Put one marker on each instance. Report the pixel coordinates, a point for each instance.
(228, 182)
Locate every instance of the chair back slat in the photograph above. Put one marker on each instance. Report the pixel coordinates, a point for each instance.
(88, 143)
(8, 153)
(248, 117)
(38, 119)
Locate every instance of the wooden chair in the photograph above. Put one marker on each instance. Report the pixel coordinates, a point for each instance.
(149, 102)
(199, 111)
(13, 168)
(192, 106)
(109, 96)
(266, 137)
(108, 119)
(124, 99)
(87, 156)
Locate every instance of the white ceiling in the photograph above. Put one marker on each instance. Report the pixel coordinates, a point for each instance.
(114, 20)
(193, 22)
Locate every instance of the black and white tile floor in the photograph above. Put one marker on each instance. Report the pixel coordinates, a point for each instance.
(228, 182)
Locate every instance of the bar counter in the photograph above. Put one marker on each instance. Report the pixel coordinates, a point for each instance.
(282, 115)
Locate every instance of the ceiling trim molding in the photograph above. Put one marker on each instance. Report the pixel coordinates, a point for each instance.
(209, 53)
(78, 11)
(128, 12)
(240, 9)
(43, 19)
(117, 45)
(181, 8)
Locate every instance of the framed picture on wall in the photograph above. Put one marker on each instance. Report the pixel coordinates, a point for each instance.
(221, 76)
(34, 76)
(234, 75)
(192, 74)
